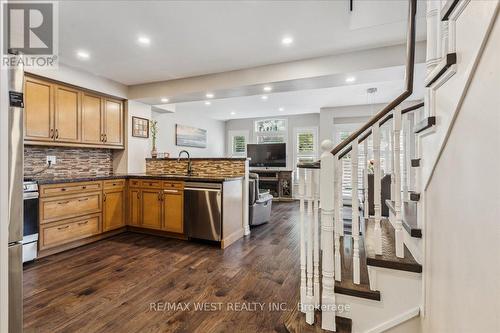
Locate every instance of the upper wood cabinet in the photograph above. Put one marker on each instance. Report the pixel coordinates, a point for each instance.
(39, 110)
(113, 122)
(58, 114)
(92, 116)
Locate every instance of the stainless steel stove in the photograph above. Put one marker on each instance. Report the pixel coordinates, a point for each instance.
(30, 220)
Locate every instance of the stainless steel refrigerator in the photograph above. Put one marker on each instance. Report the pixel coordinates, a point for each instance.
(15, 188)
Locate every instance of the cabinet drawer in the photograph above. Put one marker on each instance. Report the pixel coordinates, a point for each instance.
(173, 185)
(114, 183)
(54, 234)
(69, 188)
(151, 183)
(134, 183)
(52, 209)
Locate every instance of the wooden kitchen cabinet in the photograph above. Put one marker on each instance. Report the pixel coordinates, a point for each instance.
(38, 110)
(113, 209)
(61, 115)
(134, 207)
(92, 127)
(66, 114)
(173, 210)
(151, 208)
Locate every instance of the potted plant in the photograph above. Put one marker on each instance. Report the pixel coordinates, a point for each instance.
(154, 131)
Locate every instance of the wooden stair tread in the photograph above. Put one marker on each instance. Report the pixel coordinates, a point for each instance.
(346, 286)
(408, 216)
(441, 68)
(296, 323)
(388, 257)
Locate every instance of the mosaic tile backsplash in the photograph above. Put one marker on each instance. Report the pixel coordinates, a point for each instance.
(204, 168)
(70, 162)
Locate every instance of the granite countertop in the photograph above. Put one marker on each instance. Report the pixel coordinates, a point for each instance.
(43, 180)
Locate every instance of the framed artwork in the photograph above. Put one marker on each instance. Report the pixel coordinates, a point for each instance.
(140, 127)
(188, 136)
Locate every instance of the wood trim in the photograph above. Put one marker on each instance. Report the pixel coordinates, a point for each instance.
(75, 145)
(415, 162)
(414, 196)
(447, 61)
(426, 123)
(155, 232)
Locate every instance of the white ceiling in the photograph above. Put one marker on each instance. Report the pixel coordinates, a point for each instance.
(191, 38)
(309, 100)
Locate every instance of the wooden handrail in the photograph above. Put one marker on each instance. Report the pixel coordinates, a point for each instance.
(369, 132)
(409, 71)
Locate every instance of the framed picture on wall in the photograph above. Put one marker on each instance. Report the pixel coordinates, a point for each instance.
(188, 136)
(140, 127)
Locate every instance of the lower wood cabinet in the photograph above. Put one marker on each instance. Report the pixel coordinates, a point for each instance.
(62, 232)
(151, 208)
(173, 210)
(113, 209)
(68, 206)
(134, 207)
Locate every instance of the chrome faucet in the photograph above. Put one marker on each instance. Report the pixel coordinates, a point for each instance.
(189, 170)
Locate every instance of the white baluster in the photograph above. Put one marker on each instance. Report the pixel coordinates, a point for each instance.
(355, 210)
(340, 201)
(366, 206)
(327, 192)
(339, 223)
(303, 280)
(412, 151)
(404, 170)
(397, 199)
(377, 188)
(315, 179)
(310, 239)
(391, 158)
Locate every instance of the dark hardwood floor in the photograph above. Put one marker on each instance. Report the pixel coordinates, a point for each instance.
(110, 285)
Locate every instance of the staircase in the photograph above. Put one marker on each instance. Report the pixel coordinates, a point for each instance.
(368, 277)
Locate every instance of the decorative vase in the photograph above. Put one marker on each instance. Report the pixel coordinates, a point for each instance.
(154, 153)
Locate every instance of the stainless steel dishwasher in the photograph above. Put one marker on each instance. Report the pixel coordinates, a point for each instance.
(203, 210)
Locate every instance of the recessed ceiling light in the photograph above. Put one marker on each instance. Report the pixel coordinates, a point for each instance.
(209, 95)
(287, 40)
(350, 79)
(143, 40)
(233, 113)
(281, 109)
(264, 97)
(83, 54)
(268, 88)
(164, 100)
(207, 103)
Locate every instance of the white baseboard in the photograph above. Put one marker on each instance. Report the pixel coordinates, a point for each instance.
(395, 321)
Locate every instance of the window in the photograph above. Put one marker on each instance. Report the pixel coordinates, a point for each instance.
(237, 143)
(271, 131)
(306, 145)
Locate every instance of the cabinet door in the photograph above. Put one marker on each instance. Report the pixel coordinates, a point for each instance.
(134, 207)
(113, 122)
(151, 208)
(66, 114)
(114, 209)
(173, 209)
(92, 116)
(38, 110)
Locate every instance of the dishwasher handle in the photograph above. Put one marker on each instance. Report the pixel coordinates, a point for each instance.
(201, 189)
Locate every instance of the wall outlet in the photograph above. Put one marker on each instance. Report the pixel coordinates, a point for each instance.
(51, 160)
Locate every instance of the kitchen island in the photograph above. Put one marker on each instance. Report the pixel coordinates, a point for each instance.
(85, 208)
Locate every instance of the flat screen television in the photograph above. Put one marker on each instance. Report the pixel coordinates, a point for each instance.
(267, 155)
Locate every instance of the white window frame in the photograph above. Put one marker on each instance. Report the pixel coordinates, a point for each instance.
(230, 135)
(314, 155)
(283, 134)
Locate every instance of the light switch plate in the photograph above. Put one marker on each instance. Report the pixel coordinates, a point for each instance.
(51, 159)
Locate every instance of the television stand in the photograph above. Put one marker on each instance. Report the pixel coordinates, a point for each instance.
(277, 181)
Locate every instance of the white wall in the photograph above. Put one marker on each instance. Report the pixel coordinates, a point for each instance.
(166, 133)
(83, 79)
(294, 121)
(462, 206)
(138, 148)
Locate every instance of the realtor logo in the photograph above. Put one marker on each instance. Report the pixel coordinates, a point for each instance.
(29, 29)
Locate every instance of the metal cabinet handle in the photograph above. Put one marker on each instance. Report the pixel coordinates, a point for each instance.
(105, 138)
(171, 191)
(138, 195)
(51, 134)
(57, 133)
(82, 223)
(84, 199)
(63, 202)
(62, 228)
(104, 197)
(84, 187)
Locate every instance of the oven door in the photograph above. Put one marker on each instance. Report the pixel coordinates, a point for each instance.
(30, 226)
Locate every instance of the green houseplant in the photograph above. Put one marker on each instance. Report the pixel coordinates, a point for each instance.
(154, 132)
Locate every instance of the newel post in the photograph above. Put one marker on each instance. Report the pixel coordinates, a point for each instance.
(327, 193)
(355, 211)
(315, 180)
(309, 247)
(303, 280)
(397, 174)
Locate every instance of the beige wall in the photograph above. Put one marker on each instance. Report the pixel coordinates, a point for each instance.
(462, 204)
